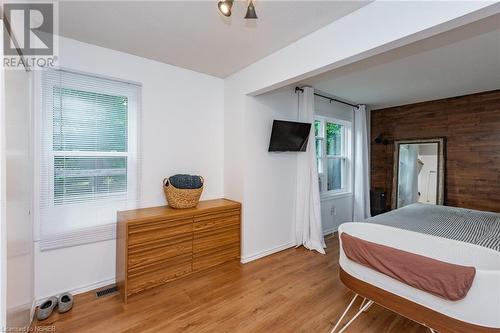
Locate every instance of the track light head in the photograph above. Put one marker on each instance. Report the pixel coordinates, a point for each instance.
(251, 14)
(225, 7)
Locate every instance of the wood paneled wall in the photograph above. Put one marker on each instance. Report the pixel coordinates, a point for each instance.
(471, 125)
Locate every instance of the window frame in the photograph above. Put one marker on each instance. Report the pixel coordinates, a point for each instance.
(131, 147)
(78, 232)
(345, 156)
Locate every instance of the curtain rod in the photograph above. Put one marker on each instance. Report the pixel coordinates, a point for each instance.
(329, 98)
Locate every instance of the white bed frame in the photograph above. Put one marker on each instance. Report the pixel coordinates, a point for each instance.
(478, 312)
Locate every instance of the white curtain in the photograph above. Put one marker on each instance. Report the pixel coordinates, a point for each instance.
(361, 166)
(308, 229)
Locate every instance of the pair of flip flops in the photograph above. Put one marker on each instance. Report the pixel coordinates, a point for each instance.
(64, 303)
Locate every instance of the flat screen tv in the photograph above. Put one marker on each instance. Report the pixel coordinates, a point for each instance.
(289, 136)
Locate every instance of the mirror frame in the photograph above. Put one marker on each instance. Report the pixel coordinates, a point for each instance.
(441, 160)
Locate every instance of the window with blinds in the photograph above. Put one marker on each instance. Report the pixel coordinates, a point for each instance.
(333, 155)
(89, 151)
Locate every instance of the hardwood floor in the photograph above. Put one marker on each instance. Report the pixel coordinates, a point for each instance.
(292, 291)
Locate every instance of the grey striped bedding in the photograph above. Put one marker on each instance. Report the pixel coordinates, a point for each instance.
(467, 225)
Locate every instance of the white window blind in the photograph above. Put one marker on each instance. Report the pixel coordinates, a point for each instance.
(89, 157)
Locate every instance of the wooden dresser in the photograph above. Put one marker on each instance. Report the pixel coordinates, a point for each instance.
(159, 244)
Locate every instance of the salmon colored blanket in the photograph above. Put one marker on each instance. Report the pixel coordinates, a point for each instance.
(449, 281)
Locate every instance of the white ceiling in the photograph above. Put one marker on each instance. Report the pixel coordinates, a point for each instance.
(192, 34)
(459, 62)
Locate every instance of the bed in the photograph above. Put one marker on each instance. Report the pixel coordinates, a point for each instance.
(447, 234)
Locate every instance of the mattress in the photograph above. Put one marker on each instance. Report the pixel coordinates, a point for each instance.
(466, 225)
(482, 303)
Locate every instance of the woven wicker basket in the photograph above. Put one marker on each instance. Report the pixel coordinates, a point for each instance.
(182, 198)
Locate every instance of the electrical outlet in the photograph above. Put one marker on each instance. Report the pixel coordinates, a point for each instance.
(333, 211)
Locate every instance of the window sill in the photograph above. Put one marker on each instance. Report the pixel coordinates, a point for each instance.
(332, 196)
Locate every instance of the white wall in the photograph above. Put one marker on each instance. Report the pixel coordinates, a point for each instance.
(269, 193)
(181, 131)
(3, 219)
(19, 188)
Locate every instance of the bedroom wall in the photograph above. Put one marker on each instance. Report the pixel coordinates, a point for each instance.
(471, 125)
(181, 131)
(269, 204)
(18, 198)
(3, 215)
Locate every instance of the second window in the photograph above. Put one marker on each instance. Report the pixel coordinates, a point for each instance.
(333, 154)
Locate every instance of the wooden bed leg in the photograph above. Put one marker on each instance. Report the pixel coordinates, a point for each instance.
(362, 303)
(343, 314)
(362, 309)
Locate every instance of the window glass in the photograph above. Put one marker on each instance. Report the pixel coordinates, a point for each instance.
(332, 154)
(319, 162)
(87, 121)
(333, 139)
(334, 167)
(318, 147)
(317, 128)
(84, 178)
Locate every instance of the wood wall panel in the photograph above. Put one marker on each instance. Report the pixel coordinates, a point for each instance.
(471, 125)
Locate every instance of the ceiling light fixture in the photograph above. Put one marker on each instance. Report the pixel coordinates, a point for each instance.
(251, 14)
(225, 7)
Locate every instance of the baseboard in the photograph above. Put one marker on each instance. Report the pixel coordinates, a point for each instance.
(83, 289)
(19, 317)
(265, 253)
(329, 231)
(93, 286)
(278, 248)
(32, 312)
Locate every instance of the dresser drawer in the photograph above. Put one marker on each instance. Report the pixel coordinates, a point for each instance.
(152, 276)
(215, 257)
(216, 221)
(216, 239)
(149, 235)
(159, 252)
(217, 215)
(209, 240)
